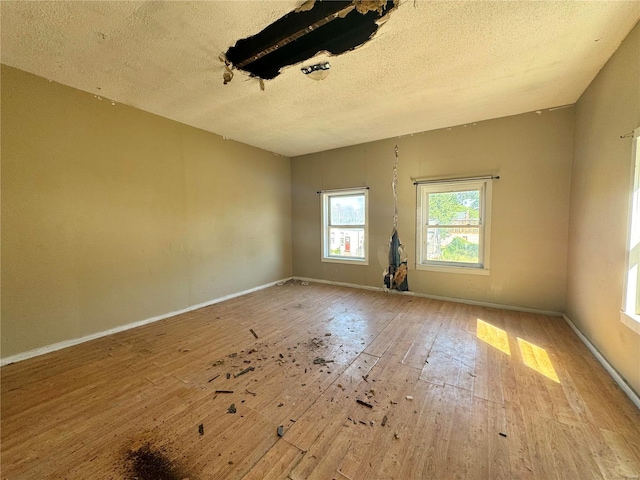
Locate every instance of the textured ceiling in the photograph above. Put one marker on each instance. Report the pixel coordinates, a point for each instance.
(433, 64)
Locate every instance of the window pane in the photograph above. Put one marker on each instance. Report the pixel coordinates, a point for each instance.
(454, 208)
(453, 228)
(346, 210)
(346, 242)
(453, 244)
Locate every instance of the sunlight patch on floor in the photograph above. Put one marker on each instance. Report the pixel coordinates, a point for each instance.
(537, 358)
(494, 336)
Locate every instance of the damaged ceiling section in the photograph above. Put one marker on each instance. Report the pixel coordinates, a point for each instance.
(334, 27)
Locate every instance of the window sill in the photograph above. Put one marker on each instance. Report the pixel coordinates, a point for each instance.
(451, 269)
(631, 320)
(345, 261)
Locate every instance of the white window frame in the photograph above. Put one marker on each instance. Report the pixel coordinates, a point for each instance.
(326, 255)
(484, 185)
(630, 312)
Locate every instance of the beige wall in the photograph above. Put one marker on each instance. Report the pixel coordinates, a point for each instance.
(531, 153)
(600, 192)
(111, 215)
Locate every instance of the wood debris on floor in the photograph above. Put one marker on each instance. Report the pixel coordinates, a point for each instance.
(200, 396)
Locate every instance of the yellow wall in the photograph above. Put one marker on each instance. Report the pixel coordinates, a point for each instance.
(531, 153)
(600, 193)
(111, 215)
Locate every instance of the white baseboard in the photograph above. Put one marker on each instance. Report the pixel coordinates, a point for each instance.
(68, 343)
(608, 367)
(501, 306)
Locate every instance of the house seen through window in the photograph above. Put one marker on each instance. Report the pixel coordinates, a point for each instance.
(344, 232)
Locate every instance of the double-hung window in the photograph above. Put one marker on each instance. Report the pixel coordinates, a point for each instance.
(344, 226)
(453, 225)
(631, 300)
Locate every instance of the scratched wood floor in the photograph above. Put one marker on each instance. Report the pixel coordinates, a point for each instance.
(476, 411)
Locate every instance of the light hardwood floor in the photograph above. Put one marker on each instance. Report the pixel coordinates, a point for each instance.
(477, 410)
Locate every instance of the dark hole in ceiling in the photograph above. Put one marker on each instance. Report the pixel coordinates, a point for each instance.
(332, 26)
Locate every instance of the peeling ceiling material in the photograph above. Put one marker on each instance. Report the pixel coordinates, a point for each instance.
(434, 64)
(334, 27)
(319, 71)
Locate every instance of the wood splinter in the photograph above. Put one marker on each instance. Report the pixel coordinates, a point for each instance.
(321, 361)
(246, 370)
(368, 405)
(253, 333)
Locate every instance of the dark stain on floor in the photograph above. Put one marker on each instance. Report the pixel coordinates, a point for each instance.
(149, 463)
